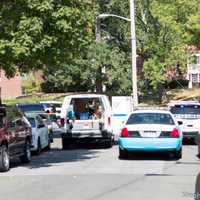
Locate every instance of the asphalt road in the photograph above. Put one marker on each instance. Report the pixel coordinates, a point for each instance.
(88, 173)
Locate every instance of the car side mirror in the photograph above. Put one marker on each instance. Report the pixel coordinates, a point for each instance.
(180, 123)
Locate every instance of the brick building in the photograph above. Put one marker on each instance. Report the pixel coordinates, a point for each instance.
(10, 88)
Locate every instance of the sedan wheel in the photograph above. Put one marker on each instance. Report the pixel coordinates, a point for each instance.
(39, 148)
(26, 158)
(122, 154)
(178, 154)
(4, 159)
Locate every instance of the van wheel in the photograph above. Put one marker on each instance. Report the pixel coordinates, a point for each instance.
(66, 143)
(4, 159)
(109, 143)
(26, 158)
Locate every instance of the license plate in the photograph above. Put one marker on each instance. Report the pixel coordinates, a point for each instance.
(86, 126)
(150, 134)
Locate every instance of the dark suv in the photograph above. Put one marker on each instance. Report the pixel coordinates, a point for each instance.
(15, 137)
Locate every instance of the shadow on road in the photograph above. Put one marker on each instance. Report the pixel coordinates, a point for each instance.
(149, 156)
(78, 153)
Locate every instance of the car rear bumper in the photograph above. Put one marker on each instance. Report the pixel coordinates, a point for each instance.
(150, 144)
(190, 134)
(87, 134)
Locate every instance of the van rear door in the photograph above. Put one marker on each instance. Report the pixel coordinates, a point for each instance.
(122, 106)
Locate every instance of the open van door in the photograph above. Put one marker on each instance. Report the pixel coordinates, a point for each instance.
(122, 106)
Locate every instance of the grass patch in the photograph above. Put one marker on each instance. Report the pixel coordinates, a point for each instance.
(36, 98)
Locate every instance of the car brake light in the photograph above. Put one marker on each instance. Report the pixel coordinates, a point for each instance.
(62, 121)
(124, 132)
(175, 133)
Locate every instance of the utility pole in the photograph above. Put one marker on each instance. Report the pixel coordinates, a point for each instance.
(134, 54)
(98, 29)
(99, 83)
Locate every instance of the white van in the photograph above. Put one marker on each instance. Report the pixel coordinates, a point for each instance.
(86, 116)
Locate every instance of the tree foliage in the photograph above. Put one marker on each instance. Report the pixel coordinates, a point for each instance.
(42, 33)
(57, 36)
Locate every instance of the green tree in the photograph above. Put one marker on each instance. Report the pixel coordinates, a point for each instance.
(108, 66)
(39, 34)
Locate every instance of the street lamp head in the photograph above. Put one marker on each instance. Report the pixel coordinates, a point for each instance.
(103, 15)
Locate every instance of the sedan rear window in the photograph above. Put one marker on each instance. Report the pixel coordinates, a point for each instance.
(150, 118)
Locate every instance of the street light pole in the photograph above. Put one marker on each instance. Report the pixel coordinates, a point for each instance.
(98, 29)
(133, 45)
(134, 54)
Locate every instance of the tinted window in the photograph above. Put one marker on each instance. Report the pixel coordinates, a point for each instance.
(186, 109)
(32, 121)
(150, 118)
(31, 108)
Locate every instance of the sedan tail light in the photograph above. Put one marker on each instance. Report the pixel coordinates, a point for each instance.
(124, 132)
(62, 121)
(175, 133)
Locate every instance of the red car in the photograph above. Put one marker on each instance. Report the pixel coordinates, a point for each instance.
(15, 137)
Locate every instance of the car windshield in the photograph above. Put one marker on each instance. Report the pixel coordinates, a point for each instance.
(32, 121)
(186, 110)
(31, 108)
(150, 118)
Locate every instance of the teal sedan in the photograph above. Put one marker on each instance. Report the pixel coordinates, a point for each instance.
(151, 131)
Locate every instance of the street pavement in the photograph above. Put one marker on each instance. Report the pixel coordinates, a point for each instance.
(94, 173)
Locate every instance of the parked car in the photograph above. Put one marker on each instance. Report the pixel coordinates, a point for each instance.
(86, 116)
(41, 138)
(150, 130)
(51, 121)
(52, 106)
(31, 107)
(189, 113)
(197, 188)
(15, 137)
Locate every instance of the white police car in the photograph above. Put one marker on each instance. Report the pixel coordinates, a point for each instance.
(188, 112)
